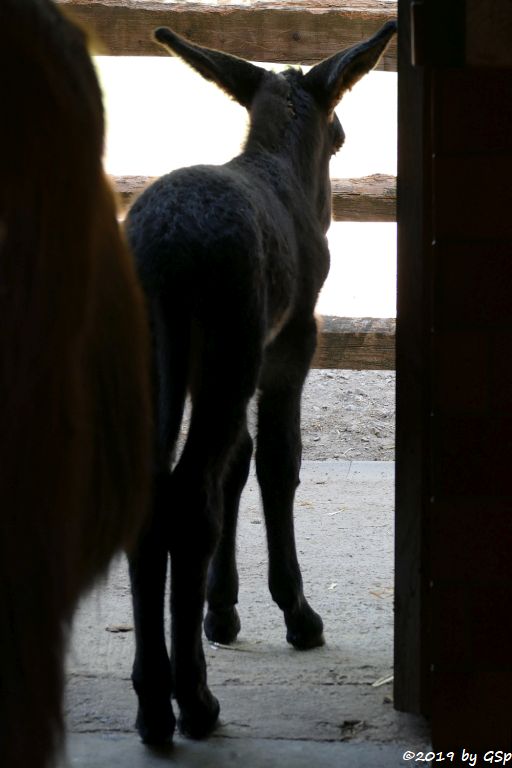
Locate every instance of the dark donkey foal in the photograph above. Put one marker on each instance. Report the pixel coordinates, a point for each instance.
(232, 259)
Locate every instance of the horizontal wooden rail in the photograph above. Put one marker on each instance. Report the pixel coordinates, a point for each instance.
(369, 198)
(357, 343)
(288, 31)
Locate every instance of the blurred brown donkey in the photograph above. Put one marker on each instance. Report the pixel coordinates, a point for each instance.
(74, 390)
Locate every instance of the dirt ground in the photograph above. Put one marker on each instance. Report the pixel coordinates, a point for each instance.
(349, 415)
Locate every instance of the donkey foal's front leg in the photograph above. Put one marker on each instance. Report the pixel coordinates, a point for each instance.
(278, 459)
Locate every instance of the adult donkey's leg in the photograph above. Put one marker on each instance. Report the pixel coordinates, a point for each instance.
(278, 460)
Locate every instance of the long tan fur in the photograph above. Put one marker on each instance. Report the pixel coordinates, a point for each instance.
(74, 389)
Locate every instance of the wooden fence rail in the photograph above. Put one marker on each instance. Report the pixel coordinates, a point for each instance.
(281, 31)
(369, 198)
(286, 31)
(357, 343)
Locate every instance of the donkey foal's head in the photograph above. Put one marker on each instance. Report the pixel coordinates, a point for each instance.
(291, 113)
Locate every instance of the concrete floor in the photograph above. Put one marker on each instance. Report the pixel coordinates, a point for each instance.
(278, 706)
(110, 751)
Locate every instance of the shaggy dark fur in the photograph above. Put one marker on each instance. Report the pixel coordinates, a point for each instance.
(232, 259)
(74, 359)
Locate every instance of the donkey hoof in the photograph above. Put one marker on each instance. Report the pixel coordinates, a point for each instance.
(222, 626)
(304, 628)
(197, 720)
(155, 725)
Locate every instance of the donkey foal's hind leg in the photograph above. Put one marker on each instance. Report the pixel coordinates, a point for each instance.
(216, 428)
(151, 674)
(222, 623)
(193, 537)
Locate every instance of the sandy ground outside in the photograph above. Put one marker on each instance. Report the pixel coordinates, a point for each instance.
(347, 415)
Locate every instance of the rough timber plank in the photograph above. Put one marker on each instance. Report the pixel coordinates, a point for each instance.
(370, 198)
(289, 31)
(357, 343)
(130, 187)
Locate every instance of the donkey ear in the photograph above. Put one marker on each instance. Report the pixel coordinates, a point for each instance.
(238, 78)
(329, 79)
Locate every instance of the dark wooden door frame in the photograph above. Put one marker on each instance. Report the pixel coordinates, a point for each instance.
(412, 384)
(453, 622)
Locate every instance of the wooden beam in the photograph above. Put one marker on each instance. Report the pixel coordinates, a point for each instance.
(288, 31)
(356, 343)
(369, 198)
(130, 187)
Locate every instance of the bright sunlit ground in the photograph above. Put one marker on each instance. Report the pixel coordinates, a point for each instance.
(161, 115)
